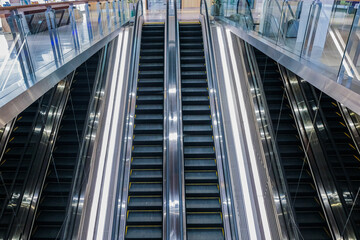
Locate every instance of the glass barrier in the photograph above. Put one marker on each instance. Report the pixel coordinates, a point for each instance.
(36, 40)
(326, 33)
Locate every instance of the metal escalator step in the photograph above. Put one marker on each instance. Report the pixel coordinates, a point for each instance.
(197, 119)
(194, 83)
(150, 74)
(152, 139)
(142, 175)
(54, 203)
(198, 140)
(203, 219)
(152, 52)
(201, 190)
(310, 219)
(50, 217)
(146, 163)
(188, 39)
(192, 60)
(205, 234)
(157, 32)
(200, 164)
(148, 118)
(144, 217)
(145, 188)
(294, 175)
(191, 46)
(196, 109)
(198, 129)
(141, 232)
(145, 202)
(306, 204)
(150, 99)
(151, 82)
(199, 152)
(143, 128)
(192, 52)
(201, 176)
(61, 174)
(148, 45)
(313, 233)
(193, 32)
(150, 90)
(149, 108)
(195, 99)
(194, 92)
(45, 231)
(147, 151)
(193, 75)
(151, 59)
(57, 189)
(204, 204)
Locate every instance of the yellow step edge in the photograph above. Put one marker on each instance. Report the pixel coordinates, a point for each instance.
(153, 23)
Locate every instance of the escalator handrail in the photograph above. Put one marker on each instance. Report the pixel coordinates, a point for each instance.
(229, 220)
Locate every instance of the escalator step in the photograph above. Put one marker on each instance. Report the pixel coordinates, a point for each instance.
(201, 190)
(146, 163)
(145, 202)
(141, 232)
(203, 219)
(205, 234)
(145, 189)
(203, 204)
(144, 217)
(200, 176)
(141, 175)
(200, 164)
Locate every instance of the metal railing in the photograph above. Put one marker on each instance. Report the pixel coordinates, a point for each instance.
(39, 39)
(226, 194)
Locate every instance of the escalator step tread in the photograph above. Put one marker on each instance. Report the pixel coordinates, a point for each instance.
(144, 217)
(145, 202)
(141, 232)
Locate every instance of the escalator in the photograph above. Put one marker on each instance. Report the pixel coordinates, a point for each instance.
(145, 201)
(202, 196)
(342, 155)
(15, 162)
(54, 197)
(308, 212)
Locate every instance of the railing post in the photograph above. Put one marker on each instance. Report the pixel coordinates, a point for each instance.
(98, 8)
(74, 31)
(22, 48)
(88, 22)
(114, 12)
(54, 36)
(108, 16)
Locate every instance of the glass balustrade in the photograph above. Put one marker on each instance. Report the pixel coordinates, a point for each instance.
(323, 32)
(36, 40)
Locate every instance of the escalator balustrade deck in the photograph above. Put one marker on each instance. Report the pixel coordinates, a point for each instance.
(202, 196)
(144, 209)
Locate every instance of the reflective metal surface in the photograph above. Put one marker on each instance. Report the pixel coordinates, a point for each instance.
(175, 206)
(82, 168)
(36, 41)
(15, 105)
(226, 197)
(98, 202)
(281, 196)
(135, 53)
(333, 207)
(306, 70)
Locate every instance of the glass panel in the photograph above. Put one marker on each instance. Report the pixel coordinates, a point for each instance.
(82, 24)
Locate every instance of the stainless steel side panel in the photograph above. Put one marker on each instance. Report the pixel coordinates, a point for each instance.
(254, 207)
(99, 200)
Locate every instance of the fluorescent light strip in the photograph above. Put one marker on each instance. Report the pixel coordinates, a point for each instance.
(251, 147)
(232, 110)
(113, 133)
(99, 174)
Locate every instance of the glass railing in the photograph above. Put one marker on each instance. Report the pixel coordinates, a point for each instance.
(35, 40)
(324, 33)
